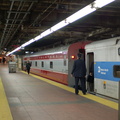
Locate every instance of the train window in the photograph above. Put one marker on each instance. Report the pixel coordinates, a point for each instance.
(64, 62)
(51, 65)
(118, 51)
(36, 63)
(116, 71)
(42, 64)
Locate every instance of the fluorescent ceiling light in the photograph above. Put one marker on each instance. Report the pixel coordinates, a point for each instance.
(87, 10)
(59, 25)
(43, 34)
(81, 13)
(26, 51)
(101, 3)
(38, 37)
(27, 43)
(47, 32)
(14, 51)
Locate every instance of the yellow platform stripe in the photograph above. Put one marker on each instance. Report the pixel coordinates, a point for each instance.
(5, 113)
(103, 101)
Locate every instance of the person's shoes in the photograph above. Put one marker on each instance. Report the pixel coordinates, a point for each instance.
(77, 93)
(84, 93)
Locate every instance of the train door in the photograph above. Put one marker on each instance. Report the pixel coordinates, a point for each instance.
(71, 58)
(73, 50)
(90, 72)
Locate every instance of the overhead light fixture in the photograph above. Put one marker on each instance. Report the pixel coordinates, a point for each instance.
(14, 51)
(87, 10)
(28, 43)
(46, 33)
(102, 3)
(32, 52)
(79, 14)
(38, 37)
(26, 52)
(59, 25)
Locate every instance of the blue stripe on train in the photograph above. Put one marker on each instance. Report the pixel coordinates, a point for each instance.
(104, 70)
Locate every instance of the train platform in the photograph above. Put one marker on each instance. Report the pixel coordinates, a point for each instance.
(30, 97)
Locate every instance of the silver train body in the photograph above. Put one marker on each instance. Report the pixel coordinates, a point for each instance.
(56, 64)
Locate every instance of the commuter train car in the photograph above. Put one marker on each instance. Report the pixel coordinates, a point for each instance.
(106, 57)
(56, 64)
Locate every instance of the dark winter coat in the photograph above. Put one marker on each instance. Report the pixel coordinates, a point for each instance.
(79, 68)
(28, 65)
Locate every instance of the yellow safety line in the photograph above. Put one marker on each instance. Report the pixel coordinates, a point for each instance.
(5, 113)
(103, 101)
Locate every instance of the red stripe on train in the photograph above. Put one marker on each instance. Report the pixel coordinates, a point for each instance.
(58, 77)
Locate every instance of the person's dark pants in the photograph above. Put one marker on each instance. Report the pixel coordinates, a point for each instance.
(28, 71)
(83, 84)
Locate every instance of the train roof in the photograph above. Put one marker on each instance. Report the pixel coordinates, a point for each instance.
(103, 43)
(56, 50)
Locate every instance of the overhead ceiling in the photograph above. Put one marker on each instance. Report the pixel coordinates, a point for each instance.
(22, 20)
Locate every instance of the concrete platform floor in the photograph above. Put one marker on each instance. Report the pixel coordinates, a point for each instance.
(30, 98)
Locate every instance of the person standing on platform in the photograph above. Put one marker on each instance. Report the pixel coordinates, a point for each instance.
(28, 66)
(79, 72)
(90, 78)
(3, 60)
